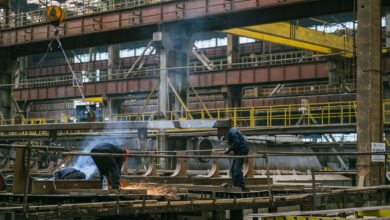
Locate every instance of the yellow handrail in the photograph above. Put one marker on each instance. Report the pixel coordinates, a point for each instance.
(325, 113)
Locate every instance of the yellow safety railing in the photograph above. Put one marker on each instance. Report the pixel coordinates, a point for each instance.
(326, 113)
(267, 116)
(285, 115)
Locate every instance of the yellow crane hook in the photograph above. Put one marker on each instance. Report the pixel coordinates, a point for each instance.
(55, 14)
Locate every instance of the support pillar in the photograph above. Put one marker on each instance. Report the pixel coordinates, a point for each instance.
(8, 70)
(387, 34)
(5, 95)
(91, 64)
(255, 211)
(113, 60)
(233, 96)
(273, 209)
(20, 6)
(7, 13)
(369, 90)
(169, 216)
(237, 214)
(205, 215)
(175, 45)
(114, 106)
(219, 215)
(233, 50)
(20, 169)
(174, 58)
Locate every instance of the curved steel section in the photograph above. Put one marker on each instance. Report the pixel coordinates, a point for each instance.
(297, 163)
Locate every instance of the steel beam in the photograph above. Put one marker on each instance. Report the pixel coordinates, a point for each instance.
(175, 46)
(9, 68)
(295, 36)
(128, 207)
(387, 30)
(243, 76)
(136, 23)
(257, 75)
(369, 90)
(20, 170)
(202, 58)
(61, 68)
(181, 124)
(315, 145)
(111, 87)
(233, 50)
(294, 130)
(113, 60)
(233, 96)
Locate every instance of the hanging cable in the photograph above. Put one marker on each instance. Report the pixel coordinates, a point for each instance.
(56, 15)
(71, 69)
(39, 65)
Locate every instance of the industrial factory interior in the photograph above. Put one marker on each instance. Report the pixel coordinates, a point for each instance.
(194, 109)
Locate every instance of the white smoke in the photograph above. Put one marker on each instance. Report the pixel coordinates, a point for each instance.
(85, 163)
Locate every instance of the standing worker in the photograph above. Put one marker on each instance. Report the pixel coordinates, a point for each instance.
(109, 166)
(239, 147)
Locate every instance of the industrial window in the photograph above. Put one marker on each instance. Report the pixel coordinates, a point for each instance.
(246, 40)
(126, 53)
(222, 41)
(97, 75)
(84, 77)
(86, 58)
(150, 51)
(102, 56)
(206, 43)
(135, 52)
(138, 51)
(81, 58)
(334, 27)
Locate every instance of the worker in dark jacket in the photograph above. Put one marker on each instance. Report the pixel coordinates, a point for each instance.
(68, 173)
(109, 166)
(239, 147)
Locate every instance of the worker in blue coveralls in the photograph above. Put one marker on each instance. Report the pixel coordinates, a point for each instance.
(109, 166)
(239, 147)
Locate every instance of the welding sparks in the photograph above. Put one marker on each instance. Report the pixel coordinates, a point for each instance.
(153, 190)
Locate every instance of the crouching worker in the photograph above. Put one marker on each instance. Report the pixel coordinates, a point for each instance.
(109, 166)
(239, 147)
(68, 173)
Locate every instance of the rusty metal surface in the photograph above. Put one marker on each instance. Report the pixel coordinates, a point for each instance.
(75, 186)
(276, 162)
(90, 89)
(116, 125)
(369, 90)
(313, 129)
(252, 75)
(59, 66)
(128, 207)
(114, 26)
